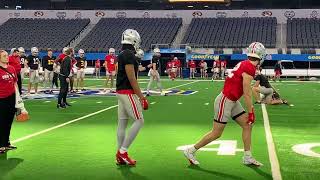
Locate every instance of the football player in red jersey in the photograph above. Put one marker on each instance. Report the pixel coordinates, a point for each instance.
(169, 69)
(111, 67)
(227, 105)
(223, 64)
(192, 66)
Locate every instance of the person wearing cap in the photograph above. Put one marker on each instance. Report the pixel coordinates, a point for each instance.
(8, 81)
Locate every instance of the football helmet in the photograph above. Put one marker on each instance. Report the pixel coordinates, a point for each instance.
(81, 52)
(257, 50)
(131, 36)
(140, 53)
(34, 51)
(112, 51)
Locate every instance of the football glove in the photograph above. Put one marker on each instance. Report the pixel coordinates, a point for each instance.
(145, 104)
(251, 117)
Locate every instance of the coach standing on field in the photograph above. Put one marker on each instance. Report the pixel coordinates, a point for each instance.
(8, 80)
(64, 76)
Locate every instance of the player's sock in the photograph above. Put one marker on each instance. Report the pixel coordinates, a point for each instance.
(123, 150)
(247, 153)
(192, 149)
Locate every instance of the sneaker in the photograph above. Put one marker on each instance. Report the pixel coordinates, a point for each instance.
(285, 102)
(11, 147)
(67, 104)
(63, 106)
(148, 94)
(190, 157)
(119, 161)
(125, 158)
(257, 102)
(163, 94)
(249, 160)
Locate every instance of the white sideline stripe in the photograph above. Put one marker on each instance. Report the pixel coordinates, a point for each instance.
(275, 167)
(61, 125)
(182, 85)
(72, 121)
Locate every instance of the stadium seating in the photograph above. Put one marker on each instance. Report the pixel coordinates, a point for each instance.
(231, 32)
(107, 32)
(303, 33)
(42, 33)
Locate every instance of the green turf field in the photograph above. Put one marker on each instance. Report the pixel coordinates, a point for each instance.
(85, 149)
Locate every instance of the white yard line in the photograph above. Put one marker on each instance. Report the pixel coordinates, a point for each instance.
(182, 85)
(275, 167)
(76, 120)
(61, 125)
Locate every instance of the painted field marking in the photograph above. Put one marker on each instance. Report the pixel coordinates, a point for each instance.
(206, 104)
(152, 102)
(61, 125)
(179, 103)
(73, 102)
(47, 101)
(75, 120)
(99, 102)
(275, 167)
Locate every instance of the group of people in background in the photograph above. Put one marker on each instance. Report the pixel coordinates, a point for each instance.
(218, 69)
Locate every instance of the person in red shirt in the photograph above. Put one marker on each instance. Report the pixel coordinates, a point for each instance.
(192, 66)
(14, 61)
(97, 67)
(111, 67)
(227, 105)
(8, 83)
(178, 66)
(169, 69)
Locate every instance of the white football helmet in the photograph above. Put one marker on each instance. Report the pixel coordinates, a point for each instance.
(21, 50)
(12, 50)
(34, 51)
(140, 53)
(81, 52)
(64, 49)
(257, 50)
(131, 36)
(112, 51)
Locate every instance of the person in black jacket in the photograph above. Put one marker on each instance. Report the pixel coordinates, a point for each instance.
(64, 76)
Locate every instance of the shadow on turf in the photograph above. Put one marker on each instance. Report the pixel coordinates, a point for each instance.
(8, 164)
(215, 173)
(128, 174)
(260, 172)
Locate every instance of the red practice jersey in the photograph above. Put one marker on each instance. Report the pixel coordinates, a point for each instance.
(233, 86)
(192, 64)
(223, 64)
(169, 65)
(7, 82)
(216, 63)
(111, 62)
(60, 58)
(97, 64)
(177, 63)
(14, 61)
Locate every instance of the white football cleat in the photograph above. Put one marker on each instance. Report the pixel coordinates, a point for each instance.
(249, 160)
(190, 157)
